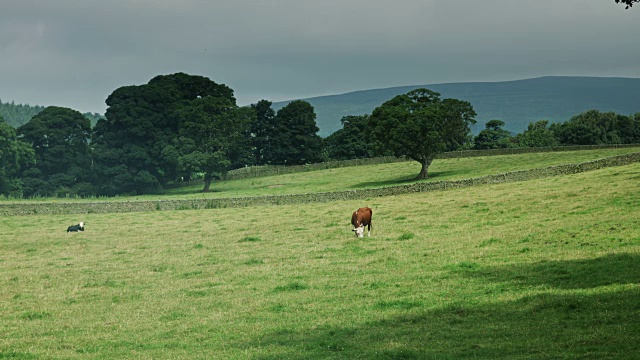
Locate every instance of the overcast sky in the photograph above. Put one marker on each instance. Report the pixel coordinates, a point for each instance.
(74, 53)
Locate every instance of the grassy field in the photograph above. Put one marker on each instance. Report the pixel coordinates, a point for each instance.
(370, 176)
(543, 269)
(373, 176)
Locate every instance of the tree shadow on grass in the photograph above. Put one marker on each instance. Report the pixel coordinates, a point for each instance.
(551, 325)
(610, 269)
(403, 180)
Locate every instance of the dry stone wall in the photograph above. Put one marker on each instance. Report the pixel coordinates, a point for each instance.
(268, 170)
(183, 204)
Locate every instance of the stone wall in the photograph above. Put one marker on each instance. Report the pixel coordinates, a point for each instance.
(86, 207)
(268, 170)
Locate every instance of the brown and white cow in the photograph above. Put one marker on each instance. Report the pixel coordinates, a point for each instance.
(360, 219)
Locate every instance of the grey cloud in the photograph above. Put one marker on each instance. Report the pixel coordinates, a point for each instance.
(74, 53)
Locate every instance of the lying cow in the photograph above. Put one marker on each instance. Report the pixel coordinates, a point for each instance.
(76, 228)
(360, 219)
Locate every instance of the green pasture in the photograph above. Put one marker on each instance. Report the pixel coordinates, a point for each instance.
(369, 176)
(397, 173)
(543, 269)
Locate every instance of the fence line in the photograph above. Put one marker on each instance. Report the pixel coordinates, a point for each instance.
(268, 170)
(182, 204)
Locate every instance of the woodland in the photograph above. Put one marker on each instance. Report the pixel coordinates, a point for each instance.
(181, 128)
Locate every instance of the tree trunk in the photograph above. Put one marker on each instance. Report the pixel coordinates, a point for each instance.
(207, 185)
(207, 182)
(424, 169)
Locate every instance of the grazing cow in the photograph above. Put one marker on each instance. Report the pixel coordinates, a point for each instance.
(76, 228)
(360, 219)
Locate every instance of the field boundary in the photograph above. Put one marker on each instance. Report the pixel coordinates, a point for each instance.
(269, 170)
(14, 209)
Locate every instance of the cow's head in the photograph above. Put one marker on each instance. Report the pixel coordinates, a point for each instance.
(81, 224)
(359, 231)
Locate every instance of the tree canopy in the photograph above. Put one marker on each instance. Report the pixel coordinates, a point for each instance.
(214, 137)
(17, 115)
(295, 140)
(178, 126)
(420, 125)
(493, 136)
(263, 132)
(60, 139)
(350, 142)
(538, 134)
(137, 146)
(14, 156)
(595, 128)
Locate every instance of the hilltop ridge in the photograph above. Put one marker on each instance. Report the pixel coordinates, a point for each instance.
(516, 102)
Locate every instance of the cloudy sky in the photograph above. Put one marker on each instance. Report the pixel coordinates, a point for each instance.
(74, 53)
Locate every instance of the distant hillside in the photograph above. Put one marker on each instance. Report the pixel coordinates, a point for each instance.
(17, 115)
(517, 103)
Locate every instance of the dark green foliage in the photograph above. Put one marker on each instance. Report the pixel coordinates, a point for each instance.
(537, 135)
(60, 139)
(18, 114)
(595, 128)
(295, 139)
(93, 118)
(420, 125)
(493, 137)
(350, 142)
(14, 156)
(214, 137)
(263, 131)
(137, 145)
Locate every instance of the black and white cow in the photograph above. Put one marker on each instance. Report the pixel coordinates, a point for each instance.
(76, 228)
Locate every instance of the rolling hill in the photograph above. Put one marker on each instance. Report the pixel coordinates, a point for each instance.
(517, 103)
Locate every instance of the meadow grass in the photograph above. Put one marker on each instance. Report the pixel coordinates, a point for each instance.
(543, 269)
(368, 176)
(397, 173)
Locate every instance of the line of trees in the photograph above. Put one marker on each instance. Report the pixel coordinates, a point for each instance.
(419, 125)
(591, 127)
(19, 114)
(178, 127)
(168, 130)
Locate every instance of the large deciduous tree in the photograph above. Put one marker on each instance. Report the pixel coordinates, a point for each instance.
(215, 137)
(14, 155)
(295, 138)
(137, 147)
(60, 138)
(350, 142)
(420, 125)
